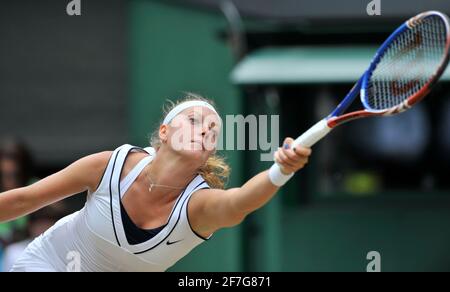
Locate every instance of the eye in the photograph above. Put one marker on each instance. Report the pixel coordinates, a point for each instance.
(194, 121)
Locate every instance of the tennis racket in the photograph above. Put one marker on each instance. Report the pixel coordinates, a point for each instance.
(402, 73)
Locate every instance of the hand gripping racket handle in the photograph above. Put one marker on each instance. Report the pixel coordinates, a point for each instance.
(308, 139)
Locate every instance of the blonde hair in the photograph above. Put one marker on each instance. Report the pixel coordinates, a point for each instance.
(215, 171)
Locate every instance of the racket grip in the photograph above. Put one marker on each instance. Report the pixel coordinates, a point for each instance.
(308, 139)
(313, 135)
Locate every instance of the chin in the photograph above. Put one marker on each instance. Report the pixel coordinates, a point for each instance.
(194, 153)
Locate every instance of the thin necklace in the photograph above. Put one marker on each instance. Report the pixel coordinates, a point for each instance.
(152, 184)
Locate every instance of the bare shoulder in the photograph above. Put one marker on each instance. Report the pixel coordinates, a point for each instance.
(198, 203)
(202, 197)
(97, 160)
(100, 158)
(95, 165)
(206, 210)
(205, 200)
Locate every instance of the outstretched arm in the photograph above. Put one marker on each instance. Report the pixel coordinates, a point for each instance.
(214, 209)
(80, 176)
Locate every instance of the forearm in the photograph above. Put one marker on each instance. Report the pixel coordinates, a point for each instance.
(254, 194)
(14, 205)
(261, 188)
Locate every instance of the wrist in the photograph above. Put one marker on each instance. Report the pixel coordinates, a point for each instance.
(277, 177)
(284, 172)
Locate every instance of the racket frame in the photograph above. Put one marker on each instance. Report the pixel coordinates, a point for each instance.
(336, 117)
(323, 127)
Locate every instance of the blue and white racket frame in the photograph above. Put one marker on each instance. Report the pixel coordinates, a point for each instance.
(337, 116)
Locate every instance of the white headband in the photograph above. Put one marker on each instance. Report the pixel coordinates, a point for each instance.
(181, 107)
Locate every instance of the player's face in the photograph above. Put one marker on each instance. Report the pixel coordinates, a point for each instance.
(194, 132)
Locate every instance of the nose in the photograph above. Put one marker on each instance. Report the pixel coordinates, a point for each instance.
(204, 130)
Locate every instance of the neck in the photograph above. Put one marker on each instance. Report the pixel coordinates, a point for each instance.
(171, 170)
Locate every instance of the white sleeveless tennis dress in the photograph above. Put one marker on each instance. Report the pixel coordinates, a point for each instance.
(96, 239)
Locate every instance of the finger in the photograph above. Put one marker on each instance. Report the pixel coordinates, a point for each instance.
(285, 169)
(295, 151)
(291, 155)
(287, 143)
(288, 152)
(303, 162)
(300, 162)
(285, 160)
(302, 151)
(276, 157)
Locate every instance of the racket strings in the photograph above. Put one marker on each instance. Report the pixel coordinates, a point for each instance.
(408, 64)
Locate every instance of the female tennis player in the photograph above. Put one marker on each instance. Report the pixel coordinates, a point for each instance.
(146, 208)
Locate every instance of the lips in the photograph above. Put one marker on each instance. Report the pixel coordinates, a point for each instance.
(199, 143)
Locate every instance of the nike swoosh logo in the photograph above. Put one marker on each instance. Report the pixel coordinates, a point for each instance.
(172, 242)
